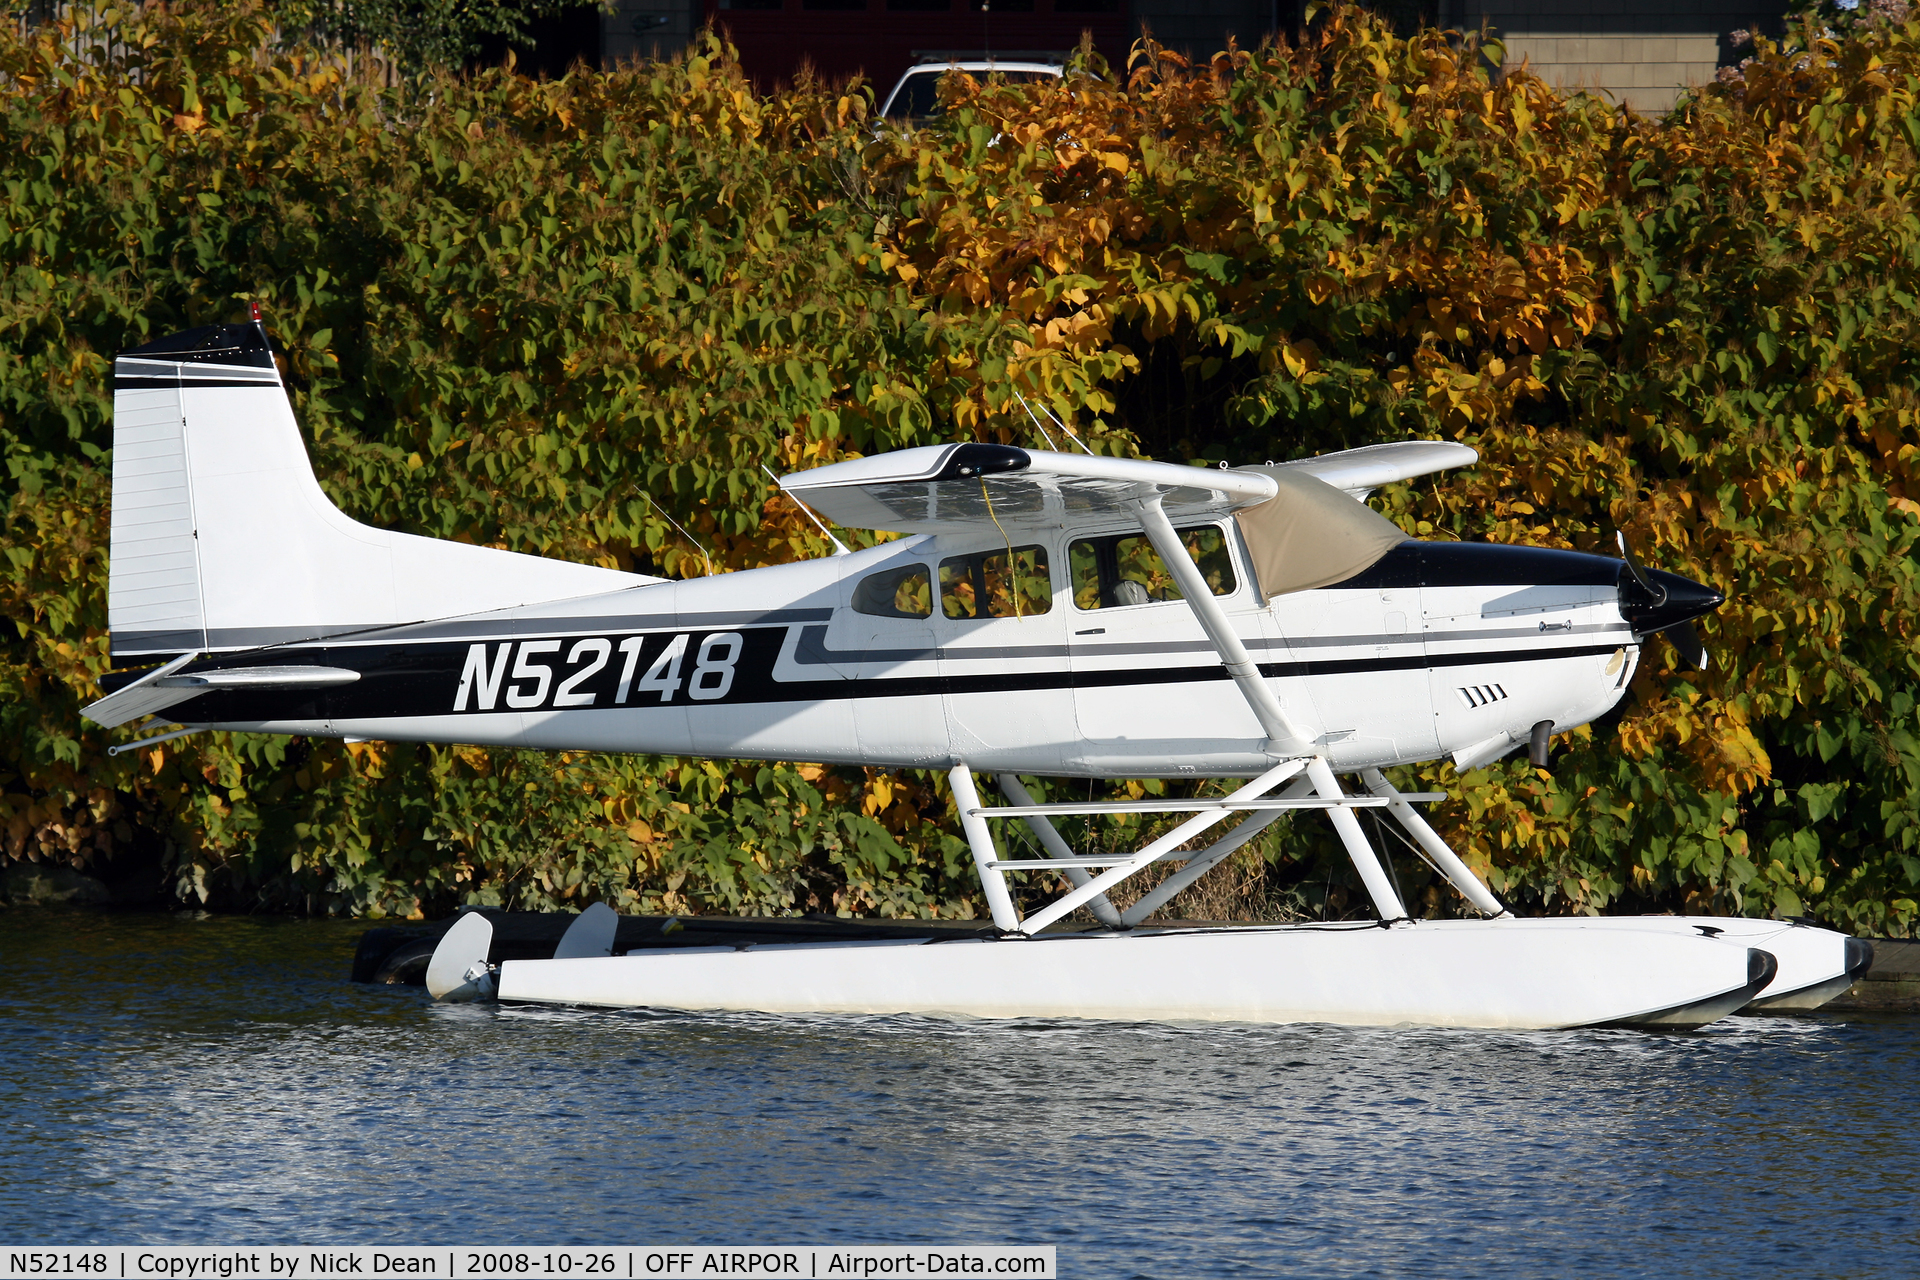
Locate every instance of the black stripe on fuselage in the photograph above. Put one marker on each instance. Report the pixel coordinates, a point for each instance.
(124, 382)
(505, 675)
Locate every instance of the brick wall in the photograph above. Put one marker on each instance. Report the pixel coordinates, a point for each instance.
(1641, 70)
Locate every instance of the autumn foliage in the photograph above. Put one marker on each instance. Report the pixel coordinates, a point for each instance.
(578, 317)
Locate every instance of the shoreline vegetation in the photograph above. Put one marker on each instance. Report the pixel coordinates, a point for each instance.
(576, 317)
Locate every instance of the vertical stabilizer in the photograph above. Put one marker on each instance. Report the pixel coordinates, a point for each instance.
(223, 539)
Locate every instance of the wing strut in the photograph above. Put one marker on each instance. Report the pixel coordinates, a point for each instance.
(1296, 754)
(1283, 739)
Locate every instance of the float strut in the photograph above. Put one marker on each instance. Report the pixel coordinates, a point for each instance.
(992, 882)
(1445, 860)
(1365, 861)
(1167, 843)
(1212, 856)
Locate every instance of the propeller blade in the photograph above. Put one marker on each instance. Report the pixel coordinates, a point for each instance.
(1686, 641)
(1653, 589)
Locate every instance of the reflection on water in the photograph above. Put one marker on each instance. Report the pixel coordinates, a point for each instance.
(176, 1080)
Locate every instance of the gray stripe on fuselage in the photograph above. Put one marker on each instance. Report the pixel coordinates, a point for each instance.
(224, 639)
(1490, 633)
(812, 650)
(608, 624)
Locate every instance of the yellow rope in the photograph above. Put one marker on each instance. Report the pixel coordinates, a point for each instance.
(1013, 571)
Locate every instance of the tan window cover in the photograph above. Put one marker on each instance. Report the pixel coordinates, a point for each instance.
(1310, 534)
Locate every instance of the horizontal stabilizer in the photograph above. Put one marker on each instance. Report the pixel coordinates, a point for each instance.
(144, 697)
(261, 678)
(168, 686)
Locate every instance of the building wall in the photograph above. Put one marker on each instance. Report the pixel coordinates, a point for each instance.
(1640, 53)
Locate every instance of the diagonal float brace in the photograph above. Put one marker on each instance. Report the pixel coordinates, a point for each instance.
(1172, 840)
(1210, 857)
(1049, 838)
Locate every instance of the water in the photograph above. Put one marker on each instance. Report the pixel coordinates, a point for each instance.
(166, 1079)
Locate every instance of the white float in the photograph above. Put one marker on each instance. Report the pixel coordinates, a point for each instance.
(1815, 964)
(1511, 973)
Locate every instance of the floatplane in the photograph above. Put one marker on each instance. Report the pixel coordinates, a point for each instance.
(1046, 613)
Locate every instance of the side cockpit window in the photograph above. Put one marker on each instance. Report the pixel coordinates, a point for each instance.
(1124, 569)
(981, 586)
(905, 591)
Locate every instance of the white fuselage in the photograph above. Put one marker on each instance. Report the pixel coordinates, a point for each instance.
(776, 663)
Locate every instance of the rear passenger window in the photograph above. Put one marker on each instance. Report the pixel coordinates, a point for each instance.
(1124, 568)
(980, 585)
(903, 592)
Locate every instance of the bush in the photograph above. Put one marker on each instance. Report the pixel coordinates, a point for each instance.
(548, 316)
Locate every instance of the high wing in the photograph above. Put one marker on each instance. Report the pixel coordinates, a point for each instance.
(915, 490)
(1359, 472)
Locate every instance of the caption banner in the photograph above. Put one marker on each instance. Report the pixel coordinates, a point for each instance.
(612, 1262)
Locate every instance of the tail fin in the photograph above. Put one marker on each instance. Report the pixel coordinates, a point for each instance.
(222, 538)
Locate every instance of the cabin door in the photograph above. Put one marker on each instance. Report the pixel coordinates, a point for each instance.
(1145, 673)
(884, 646)
(1000, 624)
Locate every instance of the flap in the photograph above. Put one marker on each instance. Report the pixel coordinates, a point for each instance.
(959, 488)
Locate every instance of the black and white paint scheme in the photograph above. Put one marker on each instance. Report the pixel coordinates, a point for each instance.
(1043, 613)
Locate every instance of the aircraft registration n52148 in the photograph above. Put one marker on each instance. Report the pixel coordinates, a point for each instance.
(1045, 613)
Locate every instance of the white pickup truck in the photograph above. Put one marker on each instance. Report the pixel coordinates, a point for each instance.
(914, 98)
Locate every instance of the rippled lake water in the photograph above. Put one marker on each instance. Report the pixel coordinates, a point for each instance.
(168, 1079)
